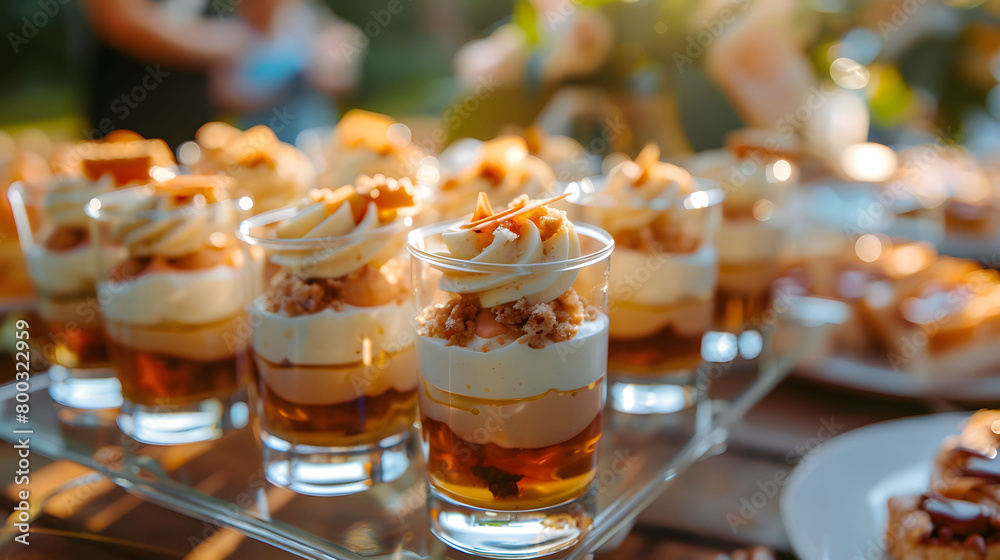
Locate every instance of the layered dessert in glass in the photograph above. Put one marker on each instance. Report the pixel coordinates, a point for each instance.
(268, 171)
(959, 516)
(512, 354)
(334, 370)
(174, 307)
(366, 143)
(757, 171)
(502, 168)
(31, 169)
(58, 248)
(663, 275)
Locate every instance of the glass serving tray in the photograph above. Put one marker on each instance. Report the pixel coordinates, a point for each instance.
(222, 482)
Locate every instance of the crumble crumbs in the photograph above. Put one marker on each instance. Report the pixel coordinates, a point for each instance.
(555, 321)
(367, 286)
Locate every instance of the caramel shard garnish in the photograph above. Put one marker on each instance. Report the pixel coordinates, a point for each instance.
(504, 151)
(125, 160)
(364, 128)
(483, 208)
(184, 188)
(387, 193)
(122, 135)
(520, 205)
(255, 147)
(535, 137)
(647, 158)
(499, 157)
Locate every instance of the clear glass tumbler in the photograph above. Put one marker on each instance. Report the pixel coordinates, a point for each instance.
(174, 307)
(512, 353)
(334, 374)
(664, 272)
(759, 172)
(58, 249)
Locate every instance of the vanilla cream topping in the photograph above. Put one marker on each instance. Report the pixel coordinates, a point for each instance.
(205, 343)
(67, 273)
(748, 180)
(306, 339)
(523, 247)
(157, 228)
(350, 227)
(336, 258)
(515, 370)
(502, 168)
(662, 280)
(66, 198)
(192, 297)
(363, 143)
(270, 172)
(749, 241)
(647, 202)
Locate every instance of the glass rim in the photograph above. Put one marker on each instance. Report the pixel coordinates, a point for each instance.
(96, 208)
(709, 193)
(243, 231)
(439, 261)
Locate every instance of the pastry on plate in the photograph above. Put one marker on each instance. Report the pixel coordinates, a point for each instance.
(958, 518)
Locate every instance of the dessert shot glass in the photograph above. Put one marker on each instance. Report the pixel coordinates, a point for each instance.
(512, 334)
(758, 171)
(58, 249)
(174, 307)
(334, 374)
(663, 276)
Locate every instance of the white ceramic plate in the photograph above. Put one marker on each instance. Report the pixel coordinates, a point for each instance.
(871, 377)
(834, 504)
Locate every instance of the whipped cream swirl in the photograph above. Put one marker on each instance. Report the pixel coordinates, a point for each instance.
(365, 143)
(527, 233)
(351, 227)
(179, 217)
(633, 187)
(67, 197)
(754, 165)
(272, 173)
(502, 168)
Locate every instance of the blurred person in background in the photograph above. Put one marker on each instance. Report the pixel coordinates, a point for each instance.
(301, 58)
(165, 68)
